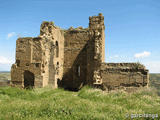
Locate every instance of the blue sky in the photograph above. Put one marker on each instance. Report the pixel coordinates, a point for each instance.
(132, 26)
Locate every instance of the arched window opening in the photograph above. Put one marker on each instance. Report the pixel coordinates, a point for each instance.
(57, 49)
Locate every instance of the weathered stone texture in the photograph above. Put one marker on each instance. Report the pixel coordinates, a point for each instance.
(39, 57)
(95, 49)
(115, 75)
(71, 59)
(75, 58)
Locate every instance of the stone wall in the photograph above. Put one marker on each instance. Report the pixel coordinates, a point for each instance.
(53, 45)
(75, 57)
(83, 53)
(40, 58)
(119, 75)
(28, 58)
(24, 58)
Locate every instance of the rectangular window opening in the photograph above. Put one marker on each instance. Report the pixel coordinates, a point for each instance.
(18, 62)
(79, 71)
(37, 64)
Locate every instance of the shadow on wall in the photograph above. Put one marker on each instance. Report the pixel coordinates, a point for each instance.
(76, 76)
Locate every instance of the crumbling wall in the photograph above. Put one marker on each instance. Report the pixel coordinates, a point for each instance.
(53, 45)
(26, 50)
(116, 75)
(75, 57)
(37, 56)
(95, 49)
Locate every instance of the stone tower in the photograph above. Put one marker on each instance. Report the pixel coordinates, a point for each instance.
(96, 48)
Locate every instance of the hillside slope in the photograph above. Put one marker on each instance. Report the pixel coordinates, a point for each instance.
(5, 76)
(155, 80)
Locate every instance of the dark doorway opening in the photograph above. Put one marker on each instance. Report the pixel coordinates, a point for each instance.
(28, 79)
(57, 49)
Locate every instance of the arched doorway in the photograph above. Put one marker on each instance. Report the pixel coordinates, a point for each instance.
(28, 79)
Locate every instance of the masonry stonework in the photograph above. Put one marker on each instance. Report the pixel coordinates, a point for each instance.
(122, 75)
(71, 59)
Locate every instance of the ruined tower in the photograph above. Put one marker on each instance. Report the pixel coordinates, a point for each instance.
(71, 59)
(38, 59)
(96, 48)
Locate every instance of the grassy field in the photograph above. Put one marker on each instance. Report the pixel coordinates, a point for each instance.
(5, 76)
(87, 104)
(155, 81)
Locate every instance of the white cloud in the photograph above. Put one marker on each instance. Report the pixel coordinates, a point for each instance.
(11, 35)
(113, 57)
(116, 56)
(4, 60)
(153, 66)
(142, 55)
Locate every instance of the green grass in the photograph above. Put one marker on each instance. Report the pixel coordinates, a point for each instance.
(87, 104)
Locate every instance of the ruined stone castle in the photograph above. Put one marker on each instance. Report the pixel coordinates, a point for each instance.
(71, 59)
